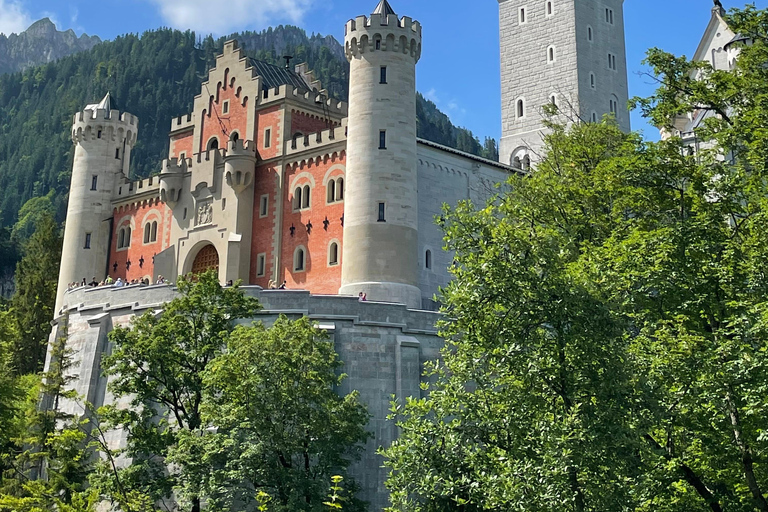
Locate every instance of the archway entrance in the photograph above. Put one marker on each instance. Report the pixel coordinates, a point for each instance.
(206, 259)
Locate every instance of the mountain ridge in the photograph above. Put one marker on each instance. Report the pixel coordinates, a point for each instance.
(40, 43)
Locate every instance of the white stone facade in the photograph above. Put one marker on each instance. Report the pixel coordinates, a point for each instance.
(571, 52)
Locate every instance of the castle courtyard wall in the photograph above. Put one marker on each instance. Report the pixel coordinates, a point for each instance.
(383, 347)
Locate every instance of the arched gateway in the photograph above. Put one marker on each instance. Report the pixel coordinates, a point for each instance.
(206, 259)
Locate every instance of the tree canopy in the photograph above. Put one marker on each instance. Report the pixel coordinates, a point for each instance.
(607, 341)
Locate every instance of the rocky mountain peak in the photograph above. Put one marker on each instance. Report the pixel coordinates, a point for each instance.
(39, 44)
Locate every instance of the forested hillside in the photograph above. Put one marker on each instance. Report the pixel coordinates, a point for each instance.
(155, 76)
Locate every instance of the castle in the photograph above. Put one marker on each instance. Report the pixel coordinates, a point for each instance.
(268, 180)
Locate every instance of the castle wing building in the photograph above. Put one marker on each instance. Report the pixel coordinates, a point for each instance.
(269, 180)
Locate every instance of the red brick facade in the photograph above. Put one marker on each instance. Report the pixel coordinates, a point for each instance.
(148, 224)
(305, 227)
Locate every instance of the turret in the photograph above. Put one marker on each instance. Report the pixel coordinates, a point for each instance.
(103, 141)
(380, 253)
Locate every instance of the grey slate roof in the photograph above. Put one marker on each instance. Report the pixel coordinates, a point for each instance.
(105, 104)
(384, 8)
(274, 76)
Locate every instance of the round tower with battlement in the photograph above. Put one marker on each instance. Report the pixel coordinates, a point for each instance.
(103, 141)
(380, 252)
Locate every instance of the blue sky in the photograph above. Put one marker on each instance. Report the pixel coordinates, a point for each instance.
(459, 69)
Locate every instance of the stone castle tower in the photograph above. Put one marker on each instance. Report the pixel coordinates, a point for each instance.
(103, 141)
(380, 251)
(567, 52)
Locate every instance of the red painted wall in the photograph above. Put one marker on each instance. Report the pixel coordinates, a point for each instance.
(269, 118)
(262, 241)
(318, 276)
(234, 120)
(181, 143)
(307, 124)
(136, 216)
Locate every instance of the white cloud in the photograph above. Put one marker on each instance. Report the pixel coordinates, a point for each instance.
(13, 17)
(221, 18)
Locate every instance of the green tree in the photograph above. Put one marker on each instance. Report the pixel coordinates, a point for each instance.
(160, 363)
(280, 426)
(31, 307)
(531, 407)
(50, 462)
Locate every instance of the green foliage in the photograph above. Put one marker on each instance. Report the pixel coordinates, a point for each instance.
(221, 413)
(47, 465)
(31, 307)
(607, 343)
(281, 427)
(530, 406)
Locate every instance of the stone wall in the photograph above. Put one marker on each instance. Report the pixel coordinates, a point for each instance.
(383, 346)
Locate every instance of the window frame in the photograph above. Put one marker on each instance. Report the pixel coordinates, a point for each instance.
(382, 212)
(267, 138)
(303, 261)
(383, 75)
(383, 139)
(263, 206)
(333, 261)
(261, 264)
(87, 242)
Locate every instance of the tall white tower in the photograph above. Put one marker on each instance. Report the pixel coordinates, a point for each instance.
(567, 51)
(380, 253)
(103, 141)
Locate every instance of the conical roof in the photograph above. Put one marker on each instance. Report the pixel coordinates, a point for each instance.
(105, 104)
(384, 8)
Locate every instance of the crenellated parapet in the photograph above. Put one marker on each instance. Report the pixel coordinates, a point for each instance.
(182, 123)
(382, 32)
(316, 141)
(104, 124)
(131, 189)
(314, 98)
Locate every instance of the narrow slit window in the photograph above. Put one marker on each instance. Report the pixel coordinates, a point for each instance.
(428, 259)
(153, 238)
(551, 54)
(383, 75)
(261, 265)
(94, 182)
(520, 108)
(522, 15)
(263, 205)
(592, 80)
(87, 241)
(589, 34)
(305, 197)
(382, 212)
(225, 107)
(549, 8)
(382, 139)
(117, 153)
(333, 254)
(267, 138)
(298, 260)
(147, 232)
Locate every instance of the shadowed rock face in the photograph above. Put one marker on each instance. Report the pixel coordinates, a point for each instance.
(39, 44)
